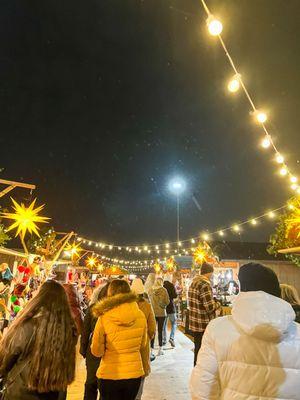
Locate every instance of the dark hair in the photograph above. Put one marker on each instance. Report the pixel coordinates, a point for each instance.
(254, 277)
(52, 352)
(206, 268)
(103, 292)
(118, 286)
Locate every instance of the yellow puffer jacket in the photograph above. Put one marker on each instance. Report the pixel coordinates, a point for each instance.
(119, 338)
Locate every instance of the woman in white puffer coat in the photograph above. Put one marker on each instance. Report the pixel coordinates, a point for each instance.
(255, 353)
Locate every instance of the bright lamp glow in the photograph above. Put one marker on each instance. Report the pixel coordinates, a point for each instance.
(279, 159)
(283, 171)
(266, 142)
(261, 116)
(215, 26)
(177, 186)
(293, 179)
(234, 84)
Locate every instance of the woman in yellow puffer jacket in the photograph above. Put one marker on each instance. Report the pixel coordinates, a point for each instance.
(119, 338)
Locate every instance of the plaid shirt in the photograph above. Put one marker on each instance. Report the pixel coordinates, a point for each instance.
(202, 306)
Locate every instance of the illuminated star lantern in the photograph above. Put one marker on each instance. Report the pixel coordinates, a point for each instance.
(91, 262)
(171, 265)
(200, 255)
(26, 219)
(157, 267)
(74, 249)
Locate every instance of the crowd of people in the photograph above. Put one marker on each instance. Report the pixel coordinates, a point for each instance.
(254, 353)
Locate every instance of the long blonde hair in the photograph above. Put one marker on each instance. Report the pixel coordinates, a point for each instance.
(289, 293)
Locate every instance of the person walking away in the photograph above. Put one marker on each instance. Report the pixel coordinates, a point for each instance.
(289, 293)
(92, 362)
(150, 282)
(119, 338)
(37, 354)
(159, 299)
(202, 307)
(254, 353)
(138, 288)
(171, 312)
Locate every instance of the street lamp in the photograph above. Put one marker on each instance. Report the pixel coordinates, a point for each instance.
(177, 186)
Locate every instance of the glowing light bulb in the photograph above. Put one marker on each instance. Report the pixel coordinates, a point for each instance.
(89, 243)
(293, 179)
(236, 228)
(156, 247)
(291, 207)
(266, 142)
(279, 159)
(294, 186)
(234, 84)
(111, 247)
(145, 248)
(253, 221)
(192, 240)
(179, 244)
(205, 236)
(271, 214)
(283, 171)
(261, 117)
(215, 26)
(221, 233)
(167, 245)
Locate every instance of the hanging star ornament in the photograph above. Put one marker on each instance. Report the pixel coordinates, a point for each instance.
(26, 218)
(74, 249)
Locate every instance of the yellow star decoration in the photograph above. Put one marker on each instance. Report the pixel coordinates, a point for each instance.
(26, 218)
(91, 261)
(294, 222)
(200, 255)
(74, 249)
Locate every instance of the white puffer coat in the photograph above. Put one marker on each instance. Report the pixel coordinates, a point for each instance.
(253, 354)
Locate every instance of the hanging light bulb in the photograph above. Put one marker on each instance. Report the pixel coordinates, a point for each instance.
(293, 179)
(192, 240)
(205, 236)
(234, 83)
(253, 221)
(167, 245)
(215, 26)
(279, 158)
(283, 171)
(271, 214)
(294, 186)
(179, 244)
(221, 233)
(261, 116)
(236, 228)
(266, 142)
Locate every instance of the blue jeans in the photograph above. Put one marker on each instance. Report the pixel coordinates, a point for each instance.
(172, 318)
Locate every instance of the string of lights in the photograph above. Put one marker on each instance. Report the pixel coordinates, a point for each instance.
(168, 248)
(215, 28)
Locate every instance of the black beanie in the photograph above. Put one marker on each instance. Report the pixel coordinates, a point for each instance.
(206, 268)
(254, 277)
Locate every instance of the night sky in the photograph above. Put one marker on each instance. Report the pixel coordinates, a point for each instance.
(102, 102)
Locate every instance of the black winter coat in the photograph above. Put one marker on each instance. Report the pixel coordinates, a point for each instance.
(171, 309)
(92, 362)
(16, 369)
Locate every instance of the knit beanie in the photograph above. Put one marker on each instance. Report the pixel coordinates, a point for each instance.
(254, 277)
(206, 268)
(137, 286)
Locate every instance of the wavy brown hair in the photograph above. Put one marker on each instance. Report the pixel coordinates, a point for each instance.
(52, 349)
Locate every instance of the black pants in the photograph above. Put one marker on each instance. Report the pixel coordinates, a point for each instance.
(160, 321)
(126, 389)
(197, 341)
(91, 383)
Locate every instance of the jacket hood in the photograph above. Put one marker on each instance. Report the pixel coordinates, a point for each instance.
(121, 309)
(158, 290)
(264, 316)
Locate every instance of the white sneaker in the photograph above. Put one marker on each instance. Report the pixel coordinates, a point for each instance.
(160, 352)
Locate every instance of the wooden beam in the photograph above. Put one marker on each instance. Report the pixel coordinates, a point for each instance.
(7, 190)
(17, 184)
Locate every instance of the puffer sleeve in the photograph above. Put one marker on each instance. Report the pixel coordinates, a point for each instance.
(204, 381)
(98, 340)
(151, 323)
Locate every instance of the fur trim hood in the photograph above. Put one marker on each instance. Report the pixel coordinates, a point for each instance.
(109, 303)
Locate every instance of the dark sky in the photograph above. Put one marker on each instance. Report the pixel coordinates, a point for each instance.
(102, 102)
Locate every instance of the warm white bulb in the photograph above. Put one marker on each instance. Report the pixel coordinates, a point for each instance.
(221, 233)
(283, 171)
(266, 142)
(167, 245)
(261, 117)
(294, 186)
(234, 84)
(179, 244)
(215, 26)
(253, 222)
(271, 214)
(193, 240)
(293, 179)
(236, 228)
(205, 236)
(279, 159)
